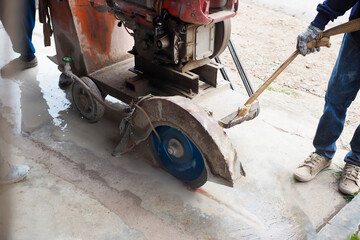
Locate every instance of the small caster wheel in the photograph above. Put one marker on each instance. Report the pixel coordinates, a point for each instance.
(179, 156)
(64, 81)
(87, 105)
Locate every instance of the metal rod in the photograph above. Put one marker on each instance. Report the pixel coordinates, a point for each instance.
(240, 69)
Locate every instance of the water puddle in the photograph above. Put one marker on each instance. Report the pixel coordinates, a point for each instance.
(53, 95)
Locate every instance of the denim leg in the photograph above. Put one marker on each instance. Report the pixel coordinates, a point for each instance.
(343, 86)
(353, 156)
(18, 18)
(28, 26)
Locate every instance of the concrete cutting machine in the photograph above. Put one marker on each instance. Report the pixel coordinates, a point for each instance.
(161, 58)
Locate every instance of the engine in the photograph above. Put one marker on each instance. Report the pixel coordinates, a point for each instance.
(176, 32)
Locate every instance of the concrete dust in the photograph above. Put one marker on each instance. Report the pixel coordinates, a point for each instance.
(251, 219)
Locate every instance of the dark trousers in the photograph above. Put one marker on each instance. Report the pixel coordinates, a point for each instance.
(343, 87)
(18, 19)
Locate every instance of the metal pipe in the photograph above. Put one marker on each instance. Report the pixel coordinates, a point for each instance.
(240, 69)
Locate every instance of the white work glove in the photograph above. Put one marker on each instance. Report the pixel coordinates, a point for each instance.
(309, 34)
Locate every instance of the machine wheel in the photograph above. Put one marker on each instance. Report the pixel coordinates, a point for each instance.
(64, 81)
(88, 107)
(222, 37)
(179, 156)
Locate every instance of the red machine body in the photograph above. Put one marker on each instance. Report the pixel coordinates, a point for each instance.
(183, 34)
(201, 12)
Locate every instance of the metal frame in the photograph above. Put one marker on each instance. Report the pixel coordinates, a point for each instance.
(99, 47)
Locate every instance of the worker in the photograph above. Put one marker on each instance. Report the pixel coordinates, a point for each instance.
(342, 89)
(18, 19)
(12, 173)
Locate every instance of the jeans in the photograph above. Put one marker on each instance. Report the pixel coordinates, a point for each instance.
(343, 87)
(18, 18)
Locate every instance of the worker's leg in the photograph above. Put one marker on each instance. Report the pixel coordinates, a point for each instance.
(18, 18)
(342, 89)
(12, 173)
(353, 157)
(350, 178)
(29, 24)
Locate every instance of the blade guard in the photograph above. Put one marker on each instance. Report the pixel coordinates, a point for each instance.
(221, 158)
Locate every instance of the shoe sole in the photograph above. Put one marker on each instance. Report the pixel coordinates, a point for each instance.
(307, 179)
(11, 72)
(343, 189)
(14, 180)
(34, 64)
(346, 192)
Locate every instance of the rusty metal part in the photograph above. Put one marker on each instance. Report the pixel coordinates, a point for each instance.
(91, 38)
(208, 73)
(164, 75)
(181, 113)
(117, 81)
(235, 119)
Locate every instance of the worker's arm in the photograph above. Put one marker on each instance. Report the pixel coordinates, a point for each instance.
(306, 36)
(329, 10)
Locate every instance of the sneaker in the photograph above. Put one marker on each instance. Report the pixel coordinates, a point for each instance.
(16, 173)
(17, 65)
(311, 167)
(350, 179)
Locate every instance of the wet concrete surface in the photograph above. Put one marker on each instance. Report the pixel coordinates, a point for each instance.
(77, 190)
(146, 199)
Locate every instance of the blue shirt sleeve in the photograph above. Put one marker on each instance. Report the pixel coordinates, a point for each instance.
(329, 10)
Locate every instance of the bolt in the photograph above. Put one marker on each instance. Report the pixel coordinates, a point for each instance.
(171, 151)
(175, 148)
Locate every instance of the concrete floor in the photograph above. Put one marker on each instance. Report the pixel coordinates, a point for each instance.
(304, 9)
(77, 190)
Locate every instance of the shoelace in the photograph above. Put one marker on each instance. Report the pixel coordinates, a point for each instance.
(312, 162)
(352, 173)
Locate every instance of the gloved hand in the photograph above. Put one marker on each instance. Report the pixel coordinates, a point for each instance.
(309, 34)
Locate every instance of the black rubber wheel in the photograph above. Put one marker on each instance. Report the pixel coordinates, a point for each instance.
(87, 105)
(64, 81)
(179, 156)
